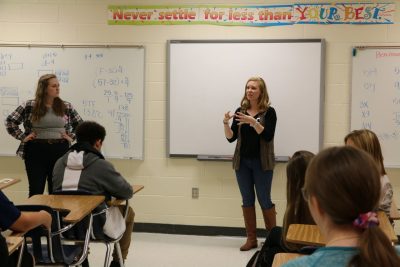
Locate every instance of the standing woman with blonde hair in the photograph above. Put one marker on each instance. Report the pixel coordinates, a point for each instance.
(49, 126)
(342, 190)
(253, 127)
(368, 141)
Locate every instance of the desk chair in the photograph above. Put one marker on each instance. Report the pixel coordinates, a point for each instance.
(97, 234)
(55, 251)
(114, 242)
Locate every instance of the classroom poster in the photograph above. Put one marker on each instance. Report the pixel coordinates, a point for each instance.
(253, 15)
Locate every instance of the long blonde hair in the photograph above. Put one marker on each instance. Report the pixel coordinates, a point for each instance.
(39, 108)
(263, 101)
(368, 141)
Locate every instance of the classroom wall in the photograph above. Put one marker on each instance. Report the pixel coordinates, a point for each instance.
(168, 182)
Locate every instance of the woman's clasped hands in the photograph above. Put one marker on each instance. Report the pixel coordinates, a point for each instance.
(243, 118)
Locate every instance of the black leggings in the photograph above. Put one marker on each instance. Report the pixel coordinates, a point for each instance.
(39, 163)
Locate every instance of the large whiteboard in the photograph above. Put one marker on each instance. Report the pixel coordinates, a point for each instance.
(375, 101)
(103, 83)
(207, 78)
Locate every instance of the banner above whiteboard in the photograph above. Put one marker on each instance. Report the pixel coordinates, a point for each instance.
(256, 15)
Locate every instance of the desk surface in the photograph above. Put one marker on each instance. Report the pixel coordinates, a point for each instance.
(310, 235)
(386, 227)
(137, 188)
(117, 202)
(13, 243)
(282, 258)
(6, 182)
(78, 206)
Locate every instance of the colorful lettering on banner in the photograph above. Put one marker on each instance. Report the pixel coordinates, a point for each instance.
(344, 13)
(223, 15)
(238, 15)
(271, 15)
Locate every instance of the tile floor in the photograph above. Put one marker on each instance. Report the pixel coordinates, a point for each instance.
(164, 250)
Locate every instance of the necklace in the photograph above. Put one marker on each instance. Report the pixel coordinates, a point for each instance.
(333, 241)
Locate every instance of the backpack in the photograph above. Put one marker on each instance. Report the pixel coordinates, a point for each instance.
(264, 257)
(272, 245)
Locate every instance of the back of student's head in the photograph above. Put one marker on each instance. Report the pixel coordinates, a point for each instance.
(90, 132)
(346, 183)
(296, 207)
(368, 141)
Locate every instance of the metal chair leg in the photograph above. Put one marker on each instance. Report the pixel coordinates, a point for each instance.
(21, 251)
(121, 260)
(108, 255)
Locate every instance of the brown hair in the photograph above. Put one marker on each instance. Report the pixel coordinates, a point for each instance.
(346, 183)
(263, 101)
(296, 207)
(39, 108)
(368, 141)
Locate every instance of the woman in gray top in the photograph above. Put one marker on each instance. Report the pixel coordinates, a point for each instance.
(49, 126)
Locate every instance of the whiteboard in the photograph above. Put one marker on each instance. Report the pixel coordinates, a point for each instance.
(207, 79)
(103, 83)
(375, 97)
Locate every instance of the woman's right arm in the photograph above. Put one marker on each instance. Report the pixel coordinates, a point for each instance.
(230, 131)
(13, 121)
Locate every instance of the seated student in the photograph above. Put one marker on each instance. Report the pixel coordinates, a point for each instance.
(83, 167)
(342, 188)
(368, 141)
(296, 210)
(13, 219)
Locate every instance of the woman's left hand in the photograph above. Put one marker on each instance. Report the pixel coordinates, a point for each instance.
(243, 118)
(67, 137)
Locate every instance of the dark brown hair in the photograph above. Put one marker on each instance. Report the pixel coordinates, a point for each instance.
(346, 183)
(90, 132)
(296, 207)
(39, 108)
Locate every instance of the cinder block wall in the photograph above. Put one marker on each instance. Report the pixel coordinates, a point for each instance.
(168, 182)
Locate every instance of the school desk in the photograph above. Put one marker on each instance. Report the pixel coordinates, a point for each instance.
(13, 243)
(307, 234)
(116, 202)
(78, 205)
(6, 182)
(282, 258)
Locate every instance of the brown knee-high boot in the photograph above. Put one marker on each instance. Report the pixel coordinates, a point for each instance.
(249, 214)
(269, 218)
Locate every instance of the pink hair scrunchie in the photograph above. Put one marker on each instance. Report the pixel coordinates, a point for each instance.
(366, 220)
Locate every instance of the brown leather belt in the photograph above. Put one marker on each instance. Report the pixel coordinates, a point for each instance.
(49, 141)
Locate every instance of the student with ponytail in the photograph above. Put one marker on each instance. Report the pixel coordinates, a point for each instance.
(342, 188)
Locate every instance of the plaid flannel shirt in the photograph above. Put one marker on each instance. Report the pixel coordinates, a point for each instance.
(23, 114)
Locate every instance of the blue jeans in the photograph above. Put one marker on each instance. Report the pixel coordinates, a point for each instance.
(249, 176)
